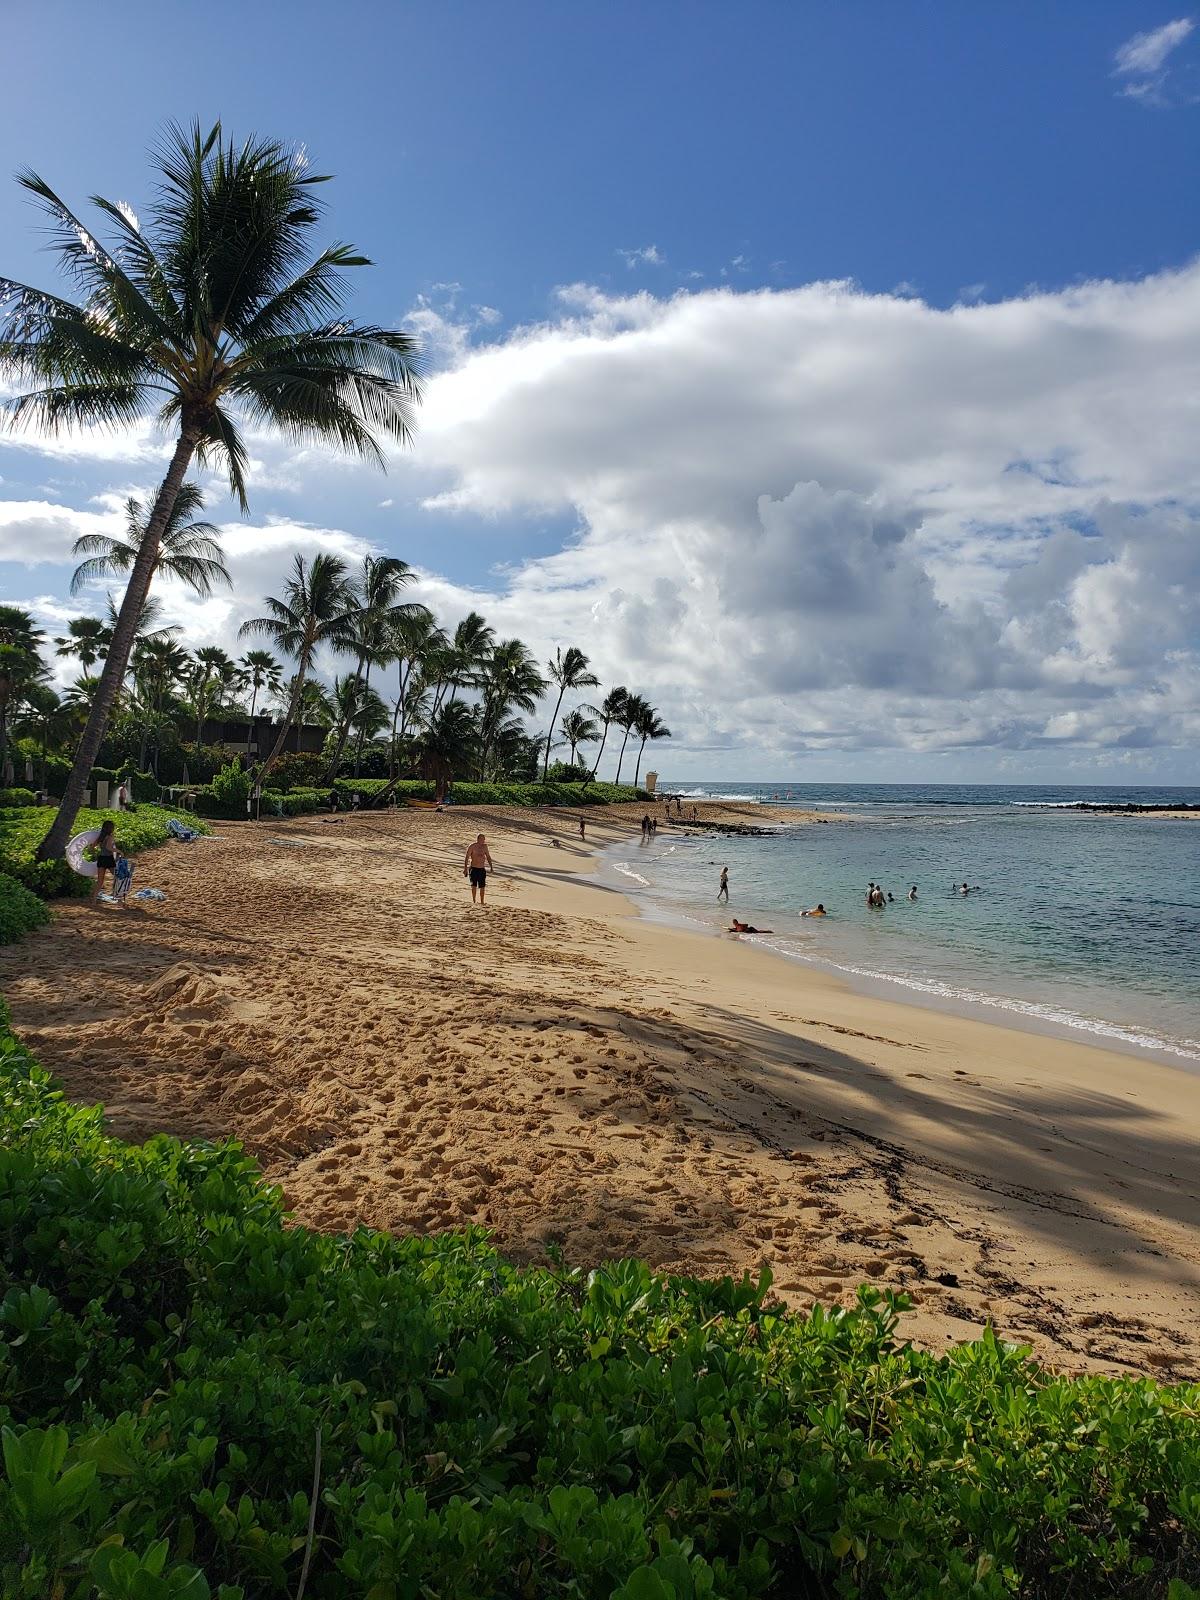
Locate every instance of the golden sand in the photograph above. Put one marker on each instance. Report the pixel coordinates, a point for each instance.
(562, 1072)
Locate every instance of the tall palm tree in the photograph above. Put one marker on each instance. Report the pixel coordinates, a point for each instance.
(20, 666)
(627, 718)
(649, 725)
(317, 609)
(415, 638)
(470, 652)
(146, 624)
(216, 306)
(447, 745)
(609, 711)
(379, 584)
(188, 549)
(578, 728)
(511, 682)
(260, 670)
(46, 718)
(87, 638)
(159, 665)
(569, 670)
(213, 669)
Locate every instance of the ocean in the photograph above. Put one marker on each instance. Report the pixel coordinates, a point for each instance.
(1084, 925)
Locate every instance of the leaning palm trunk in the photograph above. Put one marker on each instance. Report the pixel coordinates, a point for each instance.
(638, 768)
(600, 752)
(621, 757)
(292, 713)
(116, 663)
(550, 736)
(358, 749)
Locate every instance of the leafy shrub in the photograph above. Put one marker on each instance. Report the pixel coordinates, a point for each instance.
(16, 797)
(302, 769)
(20, 910)
(22, 831)
(174, 1355)
(144, 786)
(58, 769)
(498, 794)
(231, 787)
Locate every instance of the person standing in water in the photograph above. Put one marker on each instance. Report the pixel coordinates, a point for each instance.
(723, 891)
(476, 865)
(912, 893)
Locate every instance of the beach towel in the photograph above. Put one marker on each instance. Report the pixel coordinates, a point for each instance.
(148, 894)
(122, 879)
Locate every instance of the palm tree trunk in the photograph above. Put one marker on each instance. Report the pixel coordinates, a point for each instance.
(289, 717)
(550, 735)
(621, 757)
(5, 763)
(116, 663)
(359, 745)
(600, 752)
(637, 769)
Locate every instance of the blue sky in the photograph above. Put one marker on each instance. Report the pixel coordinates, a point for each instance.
(486, 156)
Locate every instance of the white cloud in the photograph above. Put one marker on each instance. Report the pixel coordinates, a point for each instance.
(1142, 62)
(649, 255)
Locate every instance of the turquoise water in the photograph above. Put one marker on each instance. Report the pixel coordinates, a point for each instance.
(1082, 923)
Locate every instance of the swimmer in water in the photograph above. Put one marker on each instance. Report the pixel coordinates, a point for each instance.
(746, 927)
(912, 893)
(817, 911)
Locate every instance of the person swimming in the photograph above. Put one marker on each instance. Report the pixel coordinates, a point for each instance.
(746, 927)
(912, 893)
(817, 911)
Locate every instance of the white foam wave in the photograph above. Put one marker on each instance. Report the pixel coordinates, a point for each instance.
(627, 871)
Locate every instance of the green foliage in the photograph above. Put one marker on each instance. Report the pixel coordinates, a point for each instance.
(21, 832)
(173, 1356)
(497, 794)
(231, 787)
(20, 910)
(144, 785)
(302, 769)
(16, 797)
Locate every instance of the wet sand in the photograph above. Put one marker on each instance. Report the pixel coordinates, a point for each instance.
(564, 1073)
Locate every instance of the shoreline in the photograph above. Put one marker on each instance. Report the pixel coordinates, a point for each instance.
(564, 1072)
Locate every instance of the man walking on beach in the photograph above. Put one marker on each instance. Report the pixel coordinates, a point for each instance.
(723, 891)
(475, 866)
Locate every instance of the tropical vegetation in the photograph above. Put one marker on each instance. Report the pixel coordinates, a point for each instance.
(198, 1398)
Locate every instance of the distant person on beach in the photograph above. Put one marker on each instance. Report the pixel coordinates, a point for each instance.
(582, 835)
(817, 911)
(723, 891)
(645, 828)
(912, 893)
(746, 927)
(476, 865)
(106, 857)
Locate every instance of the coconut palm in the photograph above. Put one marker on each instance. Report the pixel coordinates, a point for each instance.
(159, 666)
(578, 728)
(147, 625)
(649, 725)
(87, 639)
(470, 652)
(213, 306)
(447, 745)
(569, 670)
(609, 711)
(379, 585)
(260, 670)
(188, 550)
(213, 669)
(416, 638)
(510, 682)
(46, 718)
(627, 717)
(20, 666)
(317, 609)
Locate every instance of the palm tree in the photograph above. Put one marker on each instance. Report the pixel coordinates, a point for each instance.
(578, 728)
(609, 711)
(379, 584)
(46, 718)
(569, 670)
(648, 726)
(188, 550)
(470, 652)
(159, 664)
(87, 638)
(627, 718)
(213, 306)
(511, 682)
(260, 670)
(447, 745)
(415, 638)
(20, 666)
(213, 666)
(317, 609)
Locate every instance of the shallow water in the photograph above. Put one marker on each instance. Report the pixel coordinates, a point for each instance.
(1081, 923)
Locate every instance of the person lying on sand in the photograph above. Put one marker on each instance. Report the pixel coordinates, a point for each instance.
(475, 866)
(817, 911)
(746, 927)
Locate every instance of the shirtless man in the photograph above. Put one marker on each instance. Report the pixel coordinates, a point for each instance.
(476, 865)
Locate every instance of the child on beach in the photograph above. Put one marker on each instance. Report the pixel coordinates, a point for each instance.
(723, 891)
(106, 857)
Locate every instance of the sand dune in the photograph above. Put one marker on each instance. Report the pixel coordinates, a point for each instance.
(560, 1071)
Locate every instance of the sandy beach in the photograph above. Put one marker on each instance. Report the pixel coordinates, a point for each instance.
(565, 1073)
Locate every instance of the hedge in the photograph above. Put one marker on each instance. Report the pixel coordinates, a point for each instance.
(20, 910)
(498, 794)
(196, 1394)
(21, 831)
(16, 797)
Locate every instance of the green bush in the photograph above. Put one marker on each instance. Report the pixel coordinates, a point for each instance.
(144, 786)
(22, 831)
(231, 787)
(20, 910)
(174, 1356)
(298, 770)
(16, 797)
(498, 794)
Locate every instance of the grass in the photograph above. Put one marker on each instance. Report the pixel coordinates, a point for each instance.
(23, 829)
(180, 1369)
